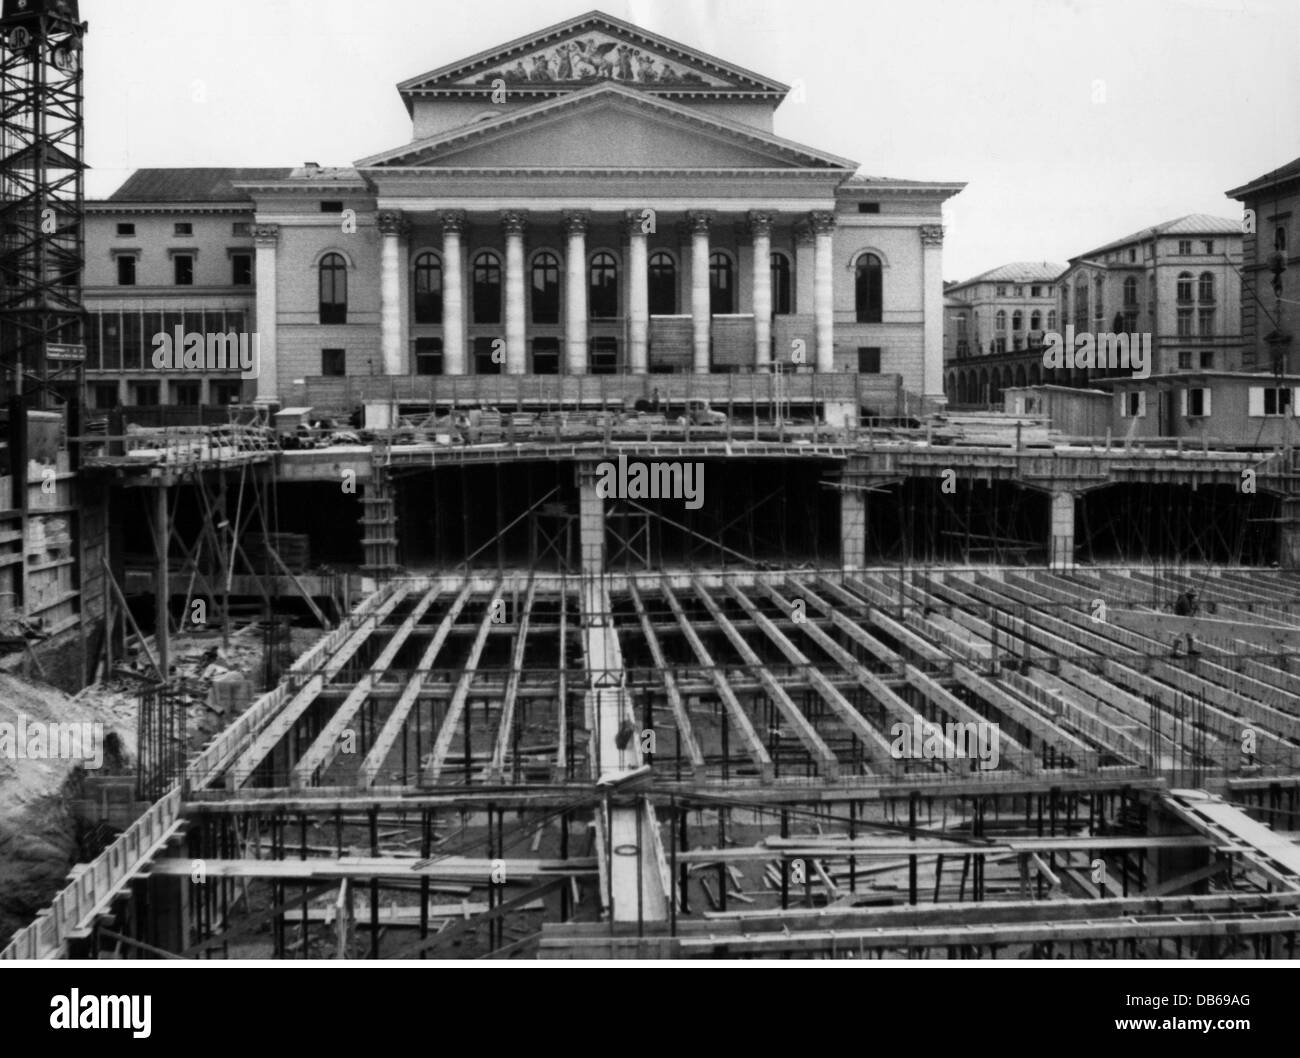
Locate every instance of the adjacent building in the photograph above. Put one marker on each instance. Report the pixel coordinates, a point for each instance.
(1271, 281)
(991, 322)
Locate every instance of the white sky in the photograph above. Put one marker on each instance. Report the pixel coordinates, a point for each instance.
(1199, 95)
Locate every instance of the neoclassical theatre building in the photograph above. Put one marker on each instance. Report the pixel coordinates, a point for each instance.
(591, 199)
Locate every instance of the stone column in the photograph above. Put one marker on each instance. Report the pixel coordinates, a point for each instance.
(638, 295)
(823, 227)
(853, 528)
(513, 221)
(1060, 544)
(760, 229)
(390, 292)
(932, 307)
(575, 295)
(453, 294)
(265, 239)
(701, 315)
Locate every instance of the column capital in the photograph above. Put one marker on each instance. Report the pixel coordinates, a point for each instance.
(266, 234)
(698, 221)
(760, 222)
(932, 234)
(821, 221)
(634, 221)
(391, 222)
(576, 221)
(803, 233)
(453, 220)
(513, 221)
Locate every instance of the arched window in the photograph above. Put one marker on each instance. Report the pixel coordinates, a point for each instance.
(780, 285)
(1099, 287)
(333, 289)
(1051, 319)
(1081, 304)
(1035, 320)
(867, 289)
(546, 288)
(602, 291)
(428, 289)
(1017, 320)
(663, 284)
(722, 285)
(1185, 286)
(1205, 288)
(487, 288)
(1131, 290)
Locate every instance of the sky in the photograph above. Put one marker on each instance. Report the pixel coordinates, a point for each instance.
(1072, 122)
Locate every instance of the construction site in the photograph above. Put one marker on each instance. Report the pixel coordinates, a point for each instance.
(751, 665)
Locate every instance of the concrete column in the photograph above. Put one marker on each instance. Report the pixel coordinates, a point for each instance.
(853, 528)
(1060, 544)
(932, 305)
(516, 334)
(591, 522)
(823, 226)
(1289, 534)
(453, 294)
(638, 295)
(760, 228)
(575, 296)
(701, 316)
(265, 239)
(390, 292)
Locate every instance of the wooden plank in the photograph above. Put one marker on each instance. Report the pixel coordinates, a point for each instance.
(680, 716)
(505, 729)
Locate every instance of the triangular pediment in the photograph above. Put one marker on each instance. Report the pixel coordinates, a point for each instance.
(588, 50)
(607, 126)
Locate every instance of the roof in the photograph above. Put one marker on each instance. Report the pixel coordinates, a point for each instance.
(1191, 224)
(190, 185)
(864, 180)
(1016, 272)
(1281, 175)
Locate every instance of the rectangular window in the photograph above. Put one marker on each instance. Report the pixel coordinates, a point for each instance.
(1184, 361)
(241, 269)
(1133, 404)
(132, 341)
(1184, 323)
(183, 269)
(186, 394)
(126, 229)
(126, 270)
(1019, 291)
(868, 207)
(1132, 256)
(241, 229)
(1269, 400)
(333, 362)
(483, 362)
(1035, 292)
(144, 394)
(868, 360)
(1002, 292)
(602, 356)
(182, 227)
(546, 356)
(1205, 323)
(331, 207)
(1207, 361)
(227, 392)
(1184, 247)
(106, 395)
(428, 356)
(1208, 245)
(1196, 402)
